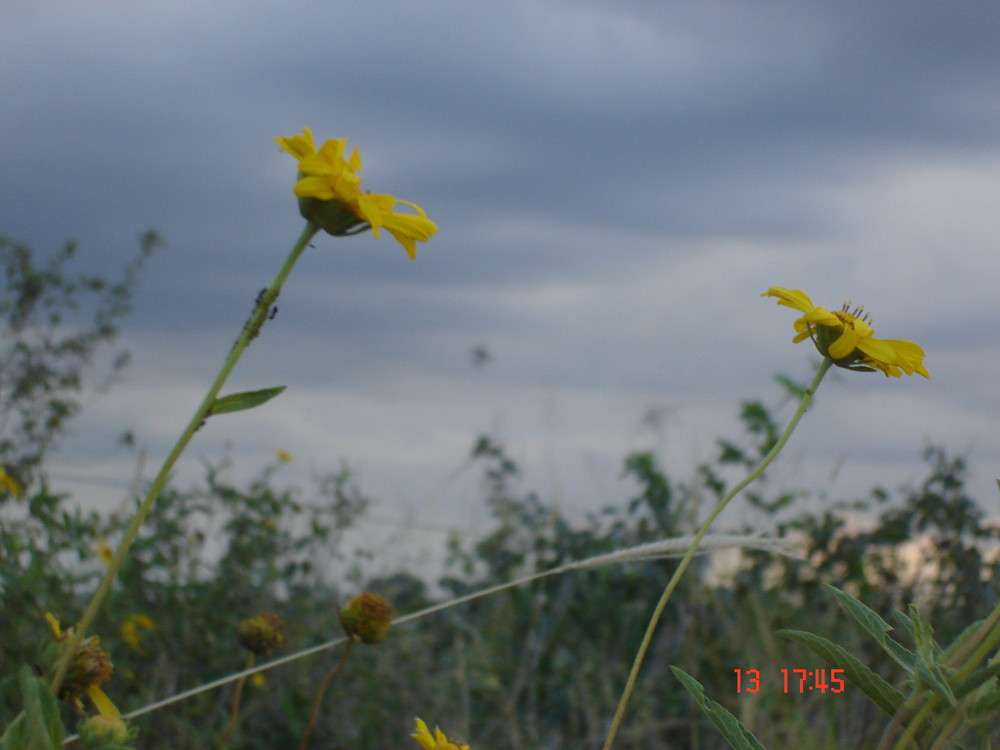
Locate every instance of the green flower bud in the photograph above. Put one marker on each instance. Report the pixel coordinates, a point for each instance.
(104, 732)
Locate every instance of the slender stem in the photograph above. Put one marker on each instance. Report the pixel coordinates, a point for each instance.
(908, 738)
(953, 726)
(234, 713)
(686, 560)
(982, 644)
(318, 698)
(250, 330)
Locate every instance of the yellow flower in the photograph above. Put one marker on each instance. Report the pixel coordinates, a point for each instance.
(130, 630)
(846, 337)
(330, 195)
(284, 456)
(89, 667)
(8, 483)
(104, 551)
(436, 742)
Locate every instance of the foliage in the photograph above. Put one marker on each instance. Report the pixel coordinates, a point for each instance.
(536, 666)
(46, 343)
(540, 665)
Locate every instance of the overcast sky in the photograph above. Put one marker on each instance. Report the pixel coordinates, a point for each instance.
(614, 183)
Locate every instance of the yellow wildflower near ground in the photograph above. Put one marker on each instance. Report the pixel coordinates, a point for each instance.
(104, 551)
(846, 337)
(437, 741)
(8, 483)
(284, 456)
(90, 666)
(330, 195)
(130, 630)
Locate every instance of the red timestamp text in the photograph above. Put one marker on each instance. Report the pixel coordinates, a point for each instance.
(794, 680)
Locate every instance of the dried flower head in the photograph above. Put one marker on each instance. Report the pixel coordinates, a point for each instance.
(367, 617)
(262, 633)
(88, 668)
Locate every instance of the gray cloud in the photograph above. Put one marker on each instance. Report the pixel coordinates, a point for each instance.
(615, 184)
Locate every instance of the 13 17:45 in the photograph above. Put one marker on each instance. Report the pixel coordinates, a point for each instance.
(794, 680)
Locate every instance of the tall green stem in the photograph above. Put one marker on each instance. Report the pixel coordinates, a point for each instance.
(234, 711)
(318, 698)
(250, 330)
(686, 560)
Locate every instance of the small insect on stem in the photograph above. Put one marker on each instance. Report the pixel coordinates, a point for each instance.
(274, 311)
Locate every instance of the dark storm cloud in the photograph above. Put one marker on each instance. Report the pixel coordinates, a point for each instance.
(614, 182)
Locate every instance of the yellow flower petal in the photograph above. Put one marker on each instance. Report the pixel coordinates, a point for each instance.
(910, 357)
(439, 741)
(799, 300)
(102, 702)
(7, 482)
(790, 298)
(377, 210)
(298, 146)
(423, 735)
(54, 625)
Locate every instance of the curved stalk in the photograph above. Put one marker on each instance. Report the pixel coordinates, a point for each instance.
(686, 560)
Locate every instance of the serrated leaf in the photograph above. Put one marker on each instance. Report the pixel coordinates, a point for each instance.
(928, 665)
(737, 735)
(243, 400)
(922, 634)
(881, 693)
(906, 624)
(878, 628)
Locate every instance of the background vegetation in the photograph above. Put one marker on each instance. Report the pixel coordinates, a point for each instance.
(539, 666)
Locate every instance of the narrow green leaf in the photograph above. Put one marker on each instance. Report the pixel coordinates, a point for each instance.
(737, 735)
(934, 678)
(244, 400)
(964, 637)
(984, 676)
(878, 628)
(42, 728)
(14, 738)
(985, 704)
(881, 693)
